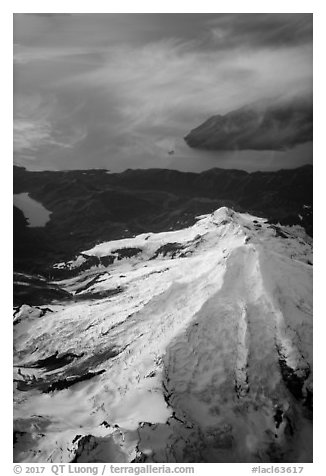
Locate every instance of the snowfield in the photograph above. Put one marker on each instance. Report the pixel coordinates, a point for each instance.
(190, 346)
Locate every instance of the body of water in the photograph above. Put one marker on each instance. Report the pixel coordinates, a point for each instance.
(33, 211)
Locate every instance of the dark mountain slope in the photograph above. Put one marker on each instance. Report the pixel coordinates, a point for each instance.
(93, 206)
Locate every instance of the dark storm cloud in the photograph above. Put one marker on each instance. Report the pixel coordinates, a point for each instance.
(258, 30)
(276, 126)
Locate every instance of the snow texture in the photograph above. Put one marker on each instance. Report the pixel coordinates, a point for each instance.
(197, 348)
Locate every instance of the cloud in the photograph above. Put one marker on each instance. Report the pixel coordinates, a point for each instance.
(35, 125)
(168, 84)
(33, 135)
(118, 89)
(24, 55)
(30, 135)
(273, 126)
(259, 30)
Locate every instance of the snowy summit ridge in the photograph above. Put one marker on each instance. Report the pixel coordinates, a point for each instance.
(183, 346)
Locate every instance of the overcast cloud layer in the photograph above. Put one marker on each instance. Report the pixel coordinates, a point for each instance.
(122, 90)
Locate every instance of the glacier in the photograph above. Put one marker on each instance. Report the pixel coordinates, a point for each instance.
(186, 346)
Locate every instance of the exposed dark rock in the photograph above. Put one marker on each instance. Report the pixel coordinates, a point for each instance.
(140, 457)
(151, 374)
(17, 434)
(308, 402)
(171, 249)
(105, 424)
(66, 383)
(97, 358)
(127, 252)
(242, 389)
(90, 283)
(53, 362)
(68, 271)
(76, 438)
(278, 417)
(86, 441)
(279, 232)
(36, 290)
(293, 379)
(99, 294)
(76, 372)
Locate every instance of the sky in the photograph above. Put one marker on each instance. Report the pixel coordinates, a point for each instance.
(120, 91)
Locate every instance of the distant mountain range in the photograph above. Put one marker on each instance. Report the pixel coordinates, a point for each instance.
(92, 206)
(276, 126)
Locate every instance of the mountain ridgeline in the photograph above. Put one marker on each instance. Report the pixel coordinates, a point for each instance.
(92, 206)
(184, 346)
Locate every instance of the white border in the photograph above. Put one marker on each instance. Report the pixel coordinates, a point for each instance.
(168, 6)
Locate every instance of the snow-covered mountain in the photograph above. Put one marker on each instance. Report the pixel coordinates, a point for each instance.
(192, 345)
